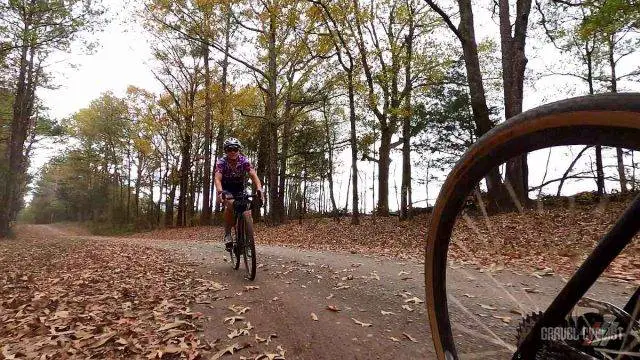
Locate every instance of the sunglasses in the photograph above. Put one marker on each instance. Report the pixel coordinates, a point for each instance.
(232, 150)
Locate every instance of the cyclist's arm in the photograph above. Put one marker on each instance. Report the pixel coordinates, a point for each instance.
(217, 181)
(254, 178)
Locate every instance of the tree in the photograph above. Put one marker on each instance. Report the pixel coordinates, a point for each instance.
(336, 17)
(34, 30)
(465, 33)
(573, 29)
(180, 75)
(513, 65)
(617, 34)
(385, 58)
(513, 37)
(102, 130)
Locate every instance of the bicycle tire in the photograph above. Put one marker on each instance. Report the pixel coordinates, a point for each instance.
(607, 120)
(237, 245)
(249, 248)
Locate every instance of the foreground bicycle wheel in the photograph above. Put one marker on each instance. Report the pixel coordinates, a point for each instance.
(478, 310)
(249, 253)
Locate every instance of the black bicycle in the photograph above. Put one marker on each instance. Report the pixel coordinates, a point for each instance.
(573, 326)
(243, 243)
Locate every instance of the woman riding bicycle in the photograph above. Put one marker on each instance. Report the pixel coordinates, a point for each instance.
(231, 180)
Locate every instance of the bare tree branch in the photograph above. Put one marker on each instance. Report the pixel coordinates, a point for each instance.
(446, 19)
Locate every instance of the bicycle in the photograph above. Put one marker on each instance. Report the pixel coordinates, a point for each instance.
(606, 120)
(243, 241)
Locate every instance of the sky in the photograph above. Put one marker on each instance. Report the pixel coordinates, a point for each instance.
(123, 58)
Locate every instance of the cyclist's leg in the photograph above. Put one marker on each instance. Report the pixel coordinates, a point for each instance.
(228, 222)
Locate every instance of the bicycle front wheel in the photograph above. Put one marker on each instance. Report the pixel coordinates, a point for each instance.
(478, 310)
(237, 246)
(249, 253)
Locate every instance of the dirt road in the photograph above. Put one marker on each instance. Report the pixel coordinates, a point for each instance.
(377, 303)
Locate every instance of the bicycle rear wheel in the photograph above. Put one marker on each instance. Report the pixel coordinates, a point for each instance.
(606, 120)
(249, 253)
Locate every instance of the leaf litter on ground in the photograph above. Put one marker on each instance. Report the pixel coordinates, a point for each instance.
(76, 299)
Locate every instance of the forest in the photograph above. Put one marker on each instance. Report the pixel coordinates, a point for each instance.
(314, 90)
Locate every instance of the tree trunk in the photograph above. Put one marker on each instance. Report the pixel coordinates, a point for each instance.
(171, 196)
(355, 216)
(138, 184)
(405, 189)
(598, 149)
(514, 62)
(614, 88)
(285, 151)
(599, 171)
(22, 110)
(151, 206)
(185, 165)
(327, 131)
(498, 197)
(128, 211)
(383, 171)
(621, 173)
(223, 98)
(276, 210)
(206, 181)
(262, 162)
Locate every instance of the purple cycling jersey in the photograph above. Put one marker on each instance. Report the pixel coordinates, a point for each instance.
(234, 178)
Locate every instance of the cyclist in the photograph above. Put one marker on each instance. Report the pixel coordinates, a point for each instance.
(230, 180)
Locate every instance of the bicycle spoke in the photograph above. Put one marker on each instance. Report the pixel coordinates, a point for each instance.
(483, 208)
(496, 339)
(628, 346)
(471, 224)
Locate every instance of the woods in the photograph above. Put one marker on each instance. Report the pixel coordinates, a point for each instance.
(329, 98)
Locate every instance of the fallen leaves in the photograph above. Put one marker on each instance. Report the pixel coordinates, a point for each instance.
(238, 332)
(340, 286)
(231, 349)
(414, 300)
(232, 319)
(271, 356)
(101, 340)
(411, 338)
(543, 272)
(505, 319)
(266, 340)
(239, 310)
(363, 324)
(407, 307)
(176, 324)
(81, 298)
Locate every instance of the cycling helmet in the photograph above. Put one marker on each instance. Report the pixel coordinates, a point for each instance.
(232, 143)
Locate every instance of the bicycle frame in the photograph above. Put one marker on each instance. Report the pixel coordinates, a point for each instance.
(609, 247)
(241, 205)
